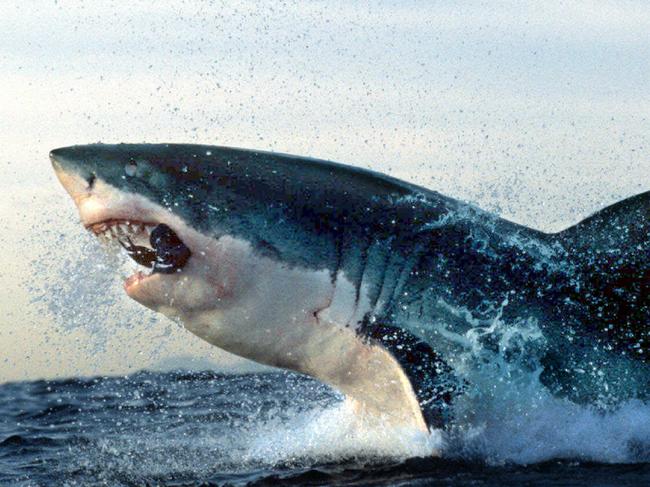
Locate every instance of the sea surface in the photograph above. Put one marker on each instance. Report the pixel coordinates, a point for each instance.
(188, 428)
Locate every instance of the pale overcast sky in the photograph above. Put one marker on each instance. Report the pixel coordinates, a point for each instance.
(536, 110)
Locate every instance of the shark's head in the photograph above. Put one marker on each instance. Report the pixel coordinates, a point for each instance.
(271, 257)
(170, 207)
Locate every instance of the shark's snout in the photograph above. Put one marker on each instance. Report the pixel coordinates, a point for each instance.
(77, 184)
(55, 162)
(62, 159)
(57, 157)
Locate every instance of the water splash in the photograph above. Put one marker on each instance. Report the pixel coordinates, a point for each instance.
(84, 284)
(508, 415)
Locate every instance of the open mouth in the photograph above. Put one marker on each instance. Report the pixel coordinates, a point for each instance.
(152, 245)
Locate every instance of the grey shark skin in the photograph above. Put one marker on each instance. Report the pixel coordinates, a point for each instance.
(365, 281)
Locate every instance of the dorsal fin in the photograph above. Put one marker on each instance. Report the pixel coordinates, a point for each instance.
(611, 250)
(621, 228)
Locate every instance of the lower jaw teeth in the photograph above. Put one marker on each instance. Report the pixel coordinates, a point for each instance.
(132, 269)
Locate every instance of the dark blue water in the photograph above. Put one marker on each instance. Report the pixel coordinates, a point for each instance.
(262, 429)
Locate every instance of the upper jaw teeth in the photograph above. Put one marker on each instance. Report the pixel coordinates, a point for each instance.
(122, 230)
(157, 246)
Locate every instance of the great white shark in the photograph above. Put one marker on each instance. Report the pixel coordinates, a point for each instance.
(364, 281)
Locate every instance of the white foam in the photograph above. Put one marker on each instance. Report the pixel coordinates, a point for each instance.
(529, 430)
(509, 416)
(336, 433)
(523, 427)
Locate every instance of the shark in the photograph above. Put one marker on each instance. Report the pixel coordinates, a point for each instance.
(363, 281)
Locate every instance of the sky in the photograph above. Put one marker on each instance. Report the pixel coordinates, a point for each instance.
(537, 111)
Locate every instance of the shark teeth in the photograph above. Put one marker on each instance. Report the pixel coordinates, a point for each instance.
(122, 230)
(155, 247)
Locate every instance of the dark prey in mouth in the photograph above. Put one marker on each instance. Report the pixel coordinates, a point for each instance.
(169, 253)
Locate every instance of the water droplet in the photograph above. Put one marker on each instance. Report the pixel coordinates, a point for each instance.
(130, 169)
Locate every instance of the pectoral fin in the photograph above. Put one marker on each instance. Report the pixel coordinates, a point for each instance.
(432, 379)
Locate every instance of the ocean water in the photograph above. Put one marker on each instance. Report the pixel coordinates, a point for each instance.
(185, 428)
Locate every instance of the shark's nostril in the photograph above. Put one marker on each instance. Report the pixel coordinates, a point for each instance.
(91, 180)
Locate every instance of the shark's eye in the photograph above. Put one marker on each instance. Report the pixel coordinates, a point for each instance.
(131, 168)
